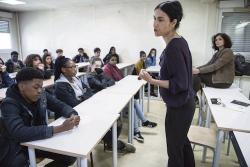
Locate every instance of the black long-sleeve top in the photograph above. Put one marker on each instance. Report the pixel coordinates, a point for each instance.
(176, 66)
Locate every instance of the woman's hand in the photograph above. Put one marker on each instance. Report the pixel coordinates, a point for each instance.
(145, 75)
(40, 66)
(196, 71)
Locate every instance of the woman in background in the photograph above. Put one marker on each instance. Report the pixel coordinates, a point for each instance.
(151, 58)
(219, 71)
(112, 51)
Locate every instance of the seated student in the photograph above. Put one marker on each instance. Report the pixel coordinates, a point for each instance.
(97, 52)
(48, 63)
(219, 71)
(59, 53)
(35, 61)
(112, 50)
(13, 64)
(23, 119)
(5, 80)
(97, 81)
(151, 58)
(69, 88)
(81, 57)
(45, 51)
(114, 73)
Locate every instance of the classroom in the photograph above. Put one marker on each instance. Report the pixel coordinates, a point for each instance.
(125, 83)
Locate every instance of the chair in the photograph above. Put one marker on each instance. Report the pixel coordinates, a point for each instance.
(202, 136)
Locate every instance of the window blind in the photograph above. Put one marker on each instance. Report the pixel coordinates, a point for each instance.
(4, 26)
(237, 26)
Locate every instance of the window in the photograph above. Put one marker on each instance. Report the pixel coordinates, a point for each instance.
(5, 37)
(237, 26)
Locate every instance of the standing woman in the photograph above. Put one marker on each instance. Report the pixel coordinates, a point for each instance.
(175, 83)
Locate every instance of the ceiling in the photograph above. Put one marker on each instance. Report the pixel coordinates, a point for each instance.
(32, 5)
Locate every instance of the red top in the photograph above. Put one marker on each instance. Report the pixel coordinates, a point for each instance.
(113, 72)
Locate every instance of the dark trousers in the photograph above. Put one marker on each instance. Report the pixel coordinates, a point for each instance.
(21, 159)
(207, 80)
(108, 137)
(177, 124)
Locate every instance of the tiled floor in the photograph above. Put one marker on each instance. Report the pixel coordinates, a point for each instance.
(152, 153)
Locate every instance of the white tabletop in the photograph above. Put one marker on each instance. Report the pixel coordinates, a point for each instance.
(13, 75)
(97, 113)
(153, 69)
(82, 64)
(124, 65)
(228, 116)
(3, 93)
(243, 142)
(104, 103)
(79, 141)
(128, 85)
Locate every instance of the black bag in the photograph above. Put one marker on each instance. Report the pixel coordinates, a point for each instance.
(241, 66)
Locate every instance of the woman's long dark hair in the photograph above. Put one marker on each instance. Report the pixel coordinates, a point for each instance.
(61, 62)
(44, 60)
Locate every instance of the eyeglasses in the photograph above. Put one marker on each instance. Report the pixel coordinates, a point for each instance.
(113, 60)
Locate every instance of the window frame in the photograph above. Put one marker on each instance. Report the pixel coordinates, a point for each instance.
(231, 10)
(10, 28)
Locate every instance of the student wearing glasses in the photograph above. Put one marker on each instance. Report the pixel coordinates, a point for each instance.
(69, 88)
(175, 83)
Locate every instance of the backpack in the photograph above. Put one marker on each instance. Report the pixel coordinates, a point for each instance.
(241, 66)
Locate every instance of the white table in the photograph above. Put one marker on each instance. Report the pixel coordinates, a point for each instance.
(13, 75)
(124, 66)
(82, 65)
(227, 116)
(129, 86)
(241, 143)
(77, 142)
(156, 70)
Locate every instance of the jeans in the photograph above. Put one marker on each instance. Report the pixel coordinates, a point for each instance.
(138, 115)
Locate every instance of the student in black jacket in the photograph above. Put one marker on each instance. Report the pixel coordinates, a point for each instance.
(5, 80)
(13, 64)
(97, 80)
(23, 119)
(81, 57)
(69, 88)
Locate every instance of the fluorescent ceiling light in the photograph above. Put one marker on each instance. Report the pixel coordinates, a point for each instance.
(13, 2)
(242, 25)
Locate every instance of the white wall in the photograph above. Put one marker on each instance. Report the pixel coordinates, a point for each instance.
(127, 26)
(11, 17)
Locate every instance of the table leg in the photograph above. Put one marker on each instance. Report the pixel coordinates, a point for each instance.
(130, 121)
(208, 121)
(114, 144)
(125, 71)
(148, 95)
(216, 158)
(32, 157)
(82, 162)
